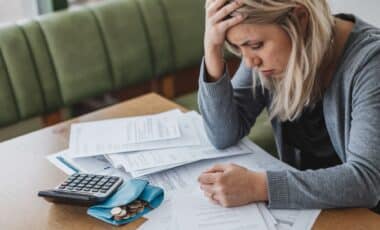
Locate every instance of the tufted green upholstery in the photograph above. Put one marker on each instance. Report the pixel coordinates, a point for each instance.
(61, 58)
(155, 20)
(125, 41)
(8, 107)
(78, 54)
(43, 63)
(182, 15)
(18, 69)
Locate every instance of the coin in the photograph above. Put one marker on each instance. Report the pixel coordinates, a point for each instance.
(121, 215)
(127, 216)
(116, 211)
(132, 211)
(134, 205)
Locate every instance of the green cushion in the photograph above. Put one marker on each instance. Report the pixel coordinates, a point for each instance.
(18, 67)
(78, 54)
(186, 26)
(125, 40)
(9, 113)
(44, 64)
(155, 20)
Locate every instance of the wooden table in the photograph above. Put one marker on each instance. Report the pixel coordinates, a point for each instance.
(25, 171)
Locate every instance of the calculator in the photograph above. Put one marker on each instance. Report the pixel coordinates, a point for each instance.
(83, 189)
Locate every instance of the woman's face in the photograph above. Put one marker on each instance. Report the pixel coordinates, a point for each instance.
(263, 47)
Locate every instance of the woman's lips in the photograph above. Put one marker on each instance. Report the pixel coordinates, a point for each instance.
(267, 73)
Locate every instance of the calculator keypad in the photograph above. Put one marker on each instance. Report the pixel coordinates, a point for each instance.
(89, 184)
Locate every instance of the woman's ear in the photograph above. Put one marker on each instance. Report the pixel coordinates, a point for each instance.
(301, 13)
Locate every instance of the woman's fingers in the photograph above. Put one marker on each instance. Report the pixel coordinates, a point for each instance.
(226, 24)
(216, 168)
(225, 11)
(212, 6)
(208, 178)
(209, 188)
(208, 2)
(212, 197)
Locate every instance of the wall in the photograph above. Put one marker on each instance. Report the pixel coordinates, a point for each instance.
(365, 9)
(13, 10)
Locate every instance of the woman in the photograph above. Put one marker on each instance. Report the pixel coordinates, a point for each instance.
(318, 76)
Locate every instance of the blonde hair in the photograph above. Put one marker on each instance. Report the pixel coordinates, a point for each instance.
(299, 86)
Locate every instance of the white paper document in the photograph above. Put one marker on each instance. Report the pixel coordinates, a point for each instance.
(177, 179)
(194, 211)
(147, 162)
(95, 164)
(132, 134)
(270, 221)
(171, 151)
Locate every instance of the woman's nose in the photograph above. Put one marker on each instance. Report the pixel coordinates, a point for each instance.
(252, 62)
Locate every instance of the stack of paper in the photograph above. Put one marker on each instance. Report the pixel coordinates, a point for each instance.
(146, 162)
(175, 139)
(131, 134)
(147, 144)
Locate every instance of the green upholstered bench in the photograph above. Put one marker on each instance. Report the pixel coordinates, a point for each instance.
(61, 58)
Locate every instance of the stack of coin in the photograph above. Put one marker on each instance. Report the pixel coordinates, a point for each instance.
(129, 210)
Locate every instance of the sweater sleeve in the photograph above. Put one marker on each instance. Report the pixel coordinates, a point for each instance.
(228, 107)
(356, 182)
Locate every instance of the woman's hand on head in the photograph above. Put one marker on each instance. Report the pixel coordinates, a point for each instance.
(232, 185)
(217, 24)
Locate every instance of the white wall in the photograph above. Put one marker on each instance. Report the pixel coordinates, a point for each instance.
(13, 10)
(369, 10)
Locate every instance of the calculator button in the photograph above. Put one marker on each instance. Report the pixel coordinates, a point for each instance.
(86, 189)
(103, 191)
(97, 186)
(94, 190)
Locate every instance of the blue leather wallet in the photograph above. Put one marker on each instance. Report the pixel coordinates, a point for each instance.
(128, 192)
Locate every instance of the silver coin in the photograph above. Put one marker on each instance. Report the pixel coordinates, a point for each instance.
(134, 205)
(127, 216)
(122, 213)
(116, 211)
